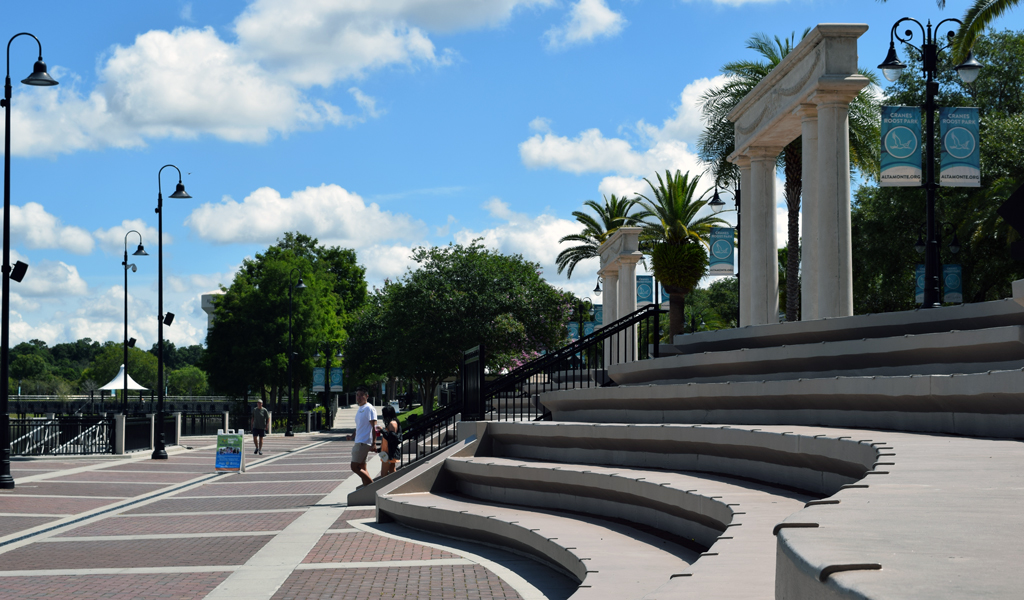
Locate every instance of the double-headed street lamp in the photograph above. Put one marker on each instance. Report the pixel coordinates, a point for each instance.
(159, 447)
(128, 343)
(968, 72)
(291, 387)
(38, 77)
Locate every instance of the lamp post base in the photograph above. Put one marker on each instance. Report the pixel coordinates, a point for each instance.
(6, 482)
(159, 454)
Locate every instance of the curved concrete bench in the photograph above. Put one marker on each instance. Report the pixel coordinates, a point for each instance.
(731, 519)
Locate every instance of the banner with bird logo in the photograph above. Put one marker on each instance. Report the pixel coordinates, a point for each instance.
(901, 146)
(961, 159)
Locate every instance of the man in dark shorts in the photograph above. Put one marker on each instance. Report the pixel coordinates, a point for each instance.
(259, 425)
(365, 436)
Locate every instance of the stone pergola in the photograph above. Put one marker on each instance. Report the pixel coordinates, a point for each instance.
(808, 94)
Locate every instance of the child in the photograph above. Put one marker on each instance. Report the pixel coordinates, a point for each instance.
(391, 446)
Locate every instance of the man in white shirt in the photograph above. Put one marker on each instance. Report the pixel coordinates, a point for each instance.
(366, 434)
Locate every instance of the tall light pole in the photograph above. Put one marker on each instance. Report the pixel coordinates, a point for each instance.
(968, 72)
(159, 449)
(140, 252)
(328, 359)
(718, 205)
(39, 77)
(291, 387)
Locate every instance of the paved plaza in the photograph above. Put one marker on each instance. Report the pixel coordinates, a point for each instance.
(117, 527)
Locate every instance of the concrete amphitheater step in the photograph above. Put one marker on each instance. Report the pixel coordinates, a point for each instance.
(971, 351)
(632, 475)
(984, 404)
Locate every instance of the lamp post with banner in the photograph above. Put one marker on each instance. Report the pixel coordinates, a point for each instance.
(891, 68)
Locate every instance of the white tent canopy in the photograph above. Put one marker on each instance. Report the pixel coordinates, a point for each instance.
(117, 383)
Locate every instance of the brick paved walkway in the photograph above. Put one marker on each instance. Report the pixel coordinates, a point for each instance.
(116, 527)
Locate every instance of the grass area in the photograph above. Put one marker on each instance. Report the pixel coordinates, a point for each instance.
(402, 417)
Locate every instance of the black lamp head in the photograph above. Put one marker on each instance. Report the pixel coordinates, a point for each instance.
(968, 70)
(140, 252)
(717, 204)
(892, 67)
(597, 288)
(168, 318)
(179, 191)
(301, 285)
(18, 272)
(954, 246)
(919, 245)
(39, 75)
(131, 342)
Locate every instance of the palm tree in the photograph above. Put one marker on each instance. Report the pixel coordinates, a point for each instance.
(611, 216)
(716, 142)
(674, 237)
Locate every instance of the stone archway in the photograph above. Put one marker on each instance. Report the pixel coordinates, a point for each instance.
(808, 94)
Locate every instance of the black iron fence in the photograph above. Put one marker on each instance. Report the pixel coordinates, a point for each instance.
(201, 423)
(82, 434)
(137, 433)
(515, 396)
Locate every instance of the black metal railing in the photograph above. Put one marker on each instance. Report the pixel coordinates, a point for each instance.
(201, 423)
(137, 433)
(515, 396)
(80, 434)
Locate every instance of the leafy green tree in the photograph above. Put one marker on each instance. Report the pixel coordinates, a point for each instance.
(886, 222)
(456, 298)
(177, 358)
(187, 381)
(614, 214)
(29, 366)
(106, 364)
(724, 300)
(717, 141)
(674, 237)
(247, 347)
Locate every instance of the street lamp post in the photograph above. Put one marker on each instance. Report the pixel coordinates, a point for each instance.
(39, 77)
(159, 450)
(140, 252)
(289, 432)
(968, 72)
(328, 360)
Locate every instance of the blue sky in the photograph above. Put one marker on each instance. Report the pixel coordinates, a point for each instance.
(379, 125)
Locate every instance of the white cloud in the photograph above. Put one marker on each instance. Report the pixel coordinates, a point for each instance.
(33, 227)
(588, 19)
(112, 241)
(48, 278)
(686, 124)
(386, 262)
(186, 12)
(541, 125)
(329, 212)
(319, 43)
(591, 152)
(536, 238)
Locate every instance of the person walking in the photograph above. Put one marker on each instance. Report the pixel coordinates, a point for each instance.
(366, 433)
(390, 446)
(259, 424)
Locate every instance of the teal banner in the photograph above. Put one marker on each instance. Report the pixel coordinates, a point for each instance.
(574, 331)
(919, 286)
(721, 257)
(644, 289)
(598, 315)
(901, 146)
(952, 284)
(961, 158)
(588, 328)
(318, 379)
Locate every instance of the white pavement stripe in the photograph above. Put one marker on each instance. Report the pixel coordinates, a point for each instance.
(269, 568)
(157, 536)
(207, 513)
(385, 564)
(117, 571)
(524, 588)
(265, 482)
(243, 496)
(346, 530)
(93, 467)
(70, 497)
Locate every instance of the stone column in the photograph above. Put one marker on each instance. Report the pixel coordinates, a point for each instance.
(626, 341)
(835, 266)
(743, 162)
(764, 254)
(809, 255)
